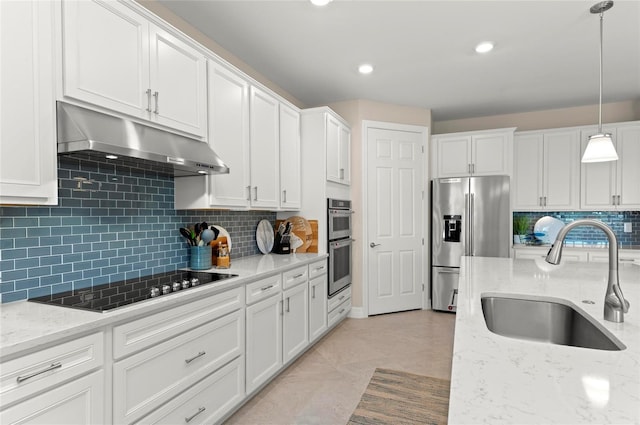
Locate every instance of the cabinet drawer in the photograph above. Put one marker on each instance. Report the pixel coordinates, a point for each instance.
(78, 402)
(206, 402)
(263, 288)
(340, 312)
(294, 277)
(318, 268)
(337, 299)
(147, 380)
(142, 333)
(50, 367)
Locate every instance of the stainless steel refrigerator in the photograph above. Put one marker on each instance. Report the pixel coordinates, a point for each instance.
(469, 216)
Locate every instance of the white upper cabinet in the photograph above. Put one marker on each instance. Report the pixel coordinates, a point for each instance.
(264, 147)
(546, 170)
(480, 153)
(115, 58)
(28, 163)
(614, 184)
(289, 158)
(338, 145)
(229, 136)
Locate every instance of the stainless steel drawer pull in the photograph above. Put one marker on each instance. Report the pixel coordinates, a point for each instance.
(31, 375)
(341, 311)
(284, 196)
(314, 292)
(341, 298)
(266, 288)
(200, 354)
(319, 268)
(298, 275)
(200, 410)
(249, 193)
(288, 307)
(255, 196)
(626, 259)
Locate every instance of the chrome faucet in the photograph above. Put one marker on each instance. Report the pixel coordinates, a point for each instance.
(614, 303)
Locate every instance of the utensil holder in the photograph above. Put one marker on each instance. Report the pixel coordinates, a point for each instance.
(200, 257)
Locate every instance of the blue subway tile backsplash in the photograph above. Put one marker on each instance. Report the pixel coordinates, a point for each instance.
(592, 235)
(114, 220)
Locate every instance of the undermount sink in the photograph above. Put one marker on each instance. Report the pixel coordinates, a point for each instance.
(544, 319)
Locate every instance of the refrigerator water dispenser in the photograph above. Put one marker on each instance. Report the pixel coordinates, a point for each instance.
(452, 228)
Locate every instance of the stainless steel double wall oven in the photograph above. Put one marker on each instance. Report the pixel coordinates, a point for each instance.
(339, 235)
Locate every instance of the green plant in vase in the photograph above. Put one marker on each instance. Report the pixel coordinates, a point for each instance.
(520, 229)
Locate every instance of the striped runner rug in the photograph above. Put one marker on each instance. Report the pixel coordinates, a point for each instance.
(394, 397)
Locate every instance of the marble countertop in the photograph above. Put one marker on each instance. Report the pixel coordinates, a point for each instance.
(28, 325)
(500, 380)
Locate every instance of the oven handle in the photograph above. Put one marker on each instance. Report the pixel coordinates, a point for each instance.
(349, 240)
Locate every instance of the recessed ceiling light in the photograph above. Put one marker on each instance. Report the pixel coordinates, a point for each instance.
(202, 172)
(484, 47)
(321, 2)
(111, 157)
(365, 68)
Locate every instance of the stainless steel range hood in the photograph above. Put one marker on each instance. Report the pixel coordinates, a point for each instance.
(87, 131)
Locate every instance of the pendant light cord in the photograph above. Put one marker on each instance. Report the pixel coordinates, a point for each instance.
(600, 102)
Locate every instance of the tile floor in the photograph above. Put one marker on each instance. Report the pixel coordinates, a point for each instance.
(326, 383)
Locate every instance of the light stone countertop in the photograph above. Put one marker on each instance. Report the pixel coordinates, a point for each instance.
(500, 380)
(28, 325)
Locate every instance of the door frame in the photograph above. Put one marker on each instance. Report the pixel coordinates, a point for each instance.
(424, 135)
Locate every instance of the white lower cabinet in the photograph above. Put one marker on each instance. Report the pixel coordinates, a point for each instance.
(78, 402)
(295, 322)
(151, 378)
(317, 306)
(264, 341)
(206, 402)
(339, 306)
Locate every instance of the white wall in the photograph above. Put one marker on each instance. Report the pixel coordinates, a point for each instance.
(552, 118)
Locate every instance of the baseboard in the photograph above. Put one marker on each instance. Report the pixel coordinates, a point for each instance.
(357, 313)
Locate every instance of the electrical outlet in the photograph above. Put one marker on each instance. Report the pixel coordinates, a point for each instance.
(627, 228)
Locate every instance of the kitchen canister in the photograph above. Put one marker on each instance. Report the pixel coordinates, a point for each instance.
(200, 257)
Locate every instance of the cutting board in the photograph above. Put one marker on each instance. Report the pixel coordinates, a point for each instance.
(310, 240)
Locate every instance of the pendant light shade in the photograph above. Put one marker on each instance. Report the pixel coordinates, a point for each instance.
(600, 147)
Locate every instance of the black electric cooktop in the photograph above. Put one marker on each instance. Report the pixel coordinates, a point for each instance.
(118, 294)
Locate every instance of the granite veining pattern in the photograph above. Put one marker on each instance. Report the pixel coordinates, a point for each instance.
(500, 380)
(27, 325)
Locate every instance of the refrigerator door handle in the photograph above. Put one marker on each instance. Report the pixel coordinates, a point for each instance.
(467, 225)
(453, 297)
(471, 229)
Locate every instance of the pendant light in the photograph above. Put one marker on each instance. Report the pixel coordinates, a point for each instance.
(600, 147)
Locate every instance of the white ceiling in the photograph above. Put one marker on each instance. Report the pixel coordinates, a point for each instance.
(546, 53)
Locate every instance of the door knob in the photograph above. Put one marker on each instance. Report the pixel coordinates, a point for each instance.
(373, 245)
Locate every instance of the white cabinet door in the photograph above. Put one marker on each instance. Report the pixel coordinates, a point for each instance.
(597, 179)
(628, 167)
(265, 156)
(332, 135)
(290, 177)
(229, 136)
(561, 170)
(178, 83)
(106, 56)
(295, 325)
(528, 154)
(264, 341)
(490, 154)
(317, 307)
(28, 161)
(345, 155)
(78, 402)
(453, 156)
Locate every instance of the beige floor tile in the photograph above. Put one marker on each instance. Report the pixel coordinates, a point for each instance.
(324, 385)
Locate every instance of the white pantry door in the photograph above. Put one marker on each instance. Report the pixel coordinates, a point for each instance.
(395, 219)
